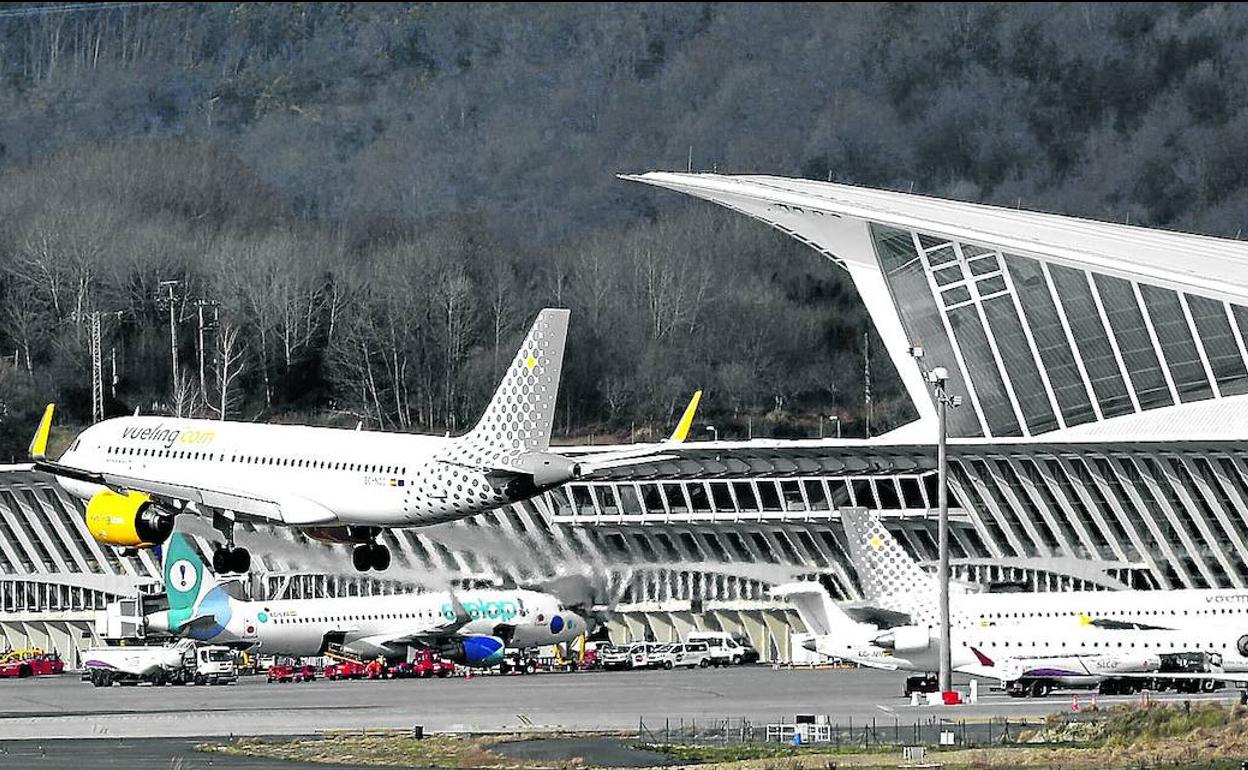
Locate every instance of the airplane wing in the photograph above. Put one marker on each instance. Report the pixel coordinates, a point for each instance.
(1125, 625)
(582, 464)
(872, 663)
(1230, 677)
(199, 623)
(424, 636)
(178, 494)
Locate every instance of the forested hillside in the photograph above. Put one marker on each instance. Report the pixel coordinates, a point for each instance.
(367, 203)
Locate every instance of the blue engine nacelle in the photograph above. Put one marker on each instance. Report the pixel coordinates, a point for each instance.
(477, 651)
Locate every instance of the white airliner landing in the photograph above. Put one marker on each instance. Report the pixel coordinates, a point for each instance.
(471, 627)
(138, 473)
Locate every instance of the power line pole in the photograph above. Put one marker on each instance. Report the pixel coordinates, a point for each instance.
(173, 334)
(200, 304)
(97, 368)
(95, 323)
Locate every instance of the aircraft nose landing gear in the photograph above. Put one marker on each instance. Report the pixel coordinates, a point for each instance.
(366, 556)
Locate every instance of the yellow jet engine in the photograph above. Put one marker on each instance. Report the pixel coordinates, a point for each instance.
(130, 520)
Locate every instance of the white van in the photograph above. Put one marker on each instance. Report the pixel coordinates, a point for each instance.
(725, 649)
(641, 654)
(691, 654)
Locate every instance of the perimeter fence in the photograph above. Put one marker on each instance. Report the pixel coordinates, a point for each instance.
(875, 732)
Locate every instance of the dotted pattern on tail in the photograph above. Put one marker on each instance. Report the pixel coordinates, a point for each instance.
(521, 415)
(518, 419)
(888, 575)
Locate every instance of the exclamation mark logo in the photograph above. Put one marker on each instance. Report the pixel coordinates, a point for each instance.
(182, 576)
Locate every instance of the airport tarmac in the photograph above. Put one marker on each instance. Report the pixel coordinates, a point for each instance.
(65, 707)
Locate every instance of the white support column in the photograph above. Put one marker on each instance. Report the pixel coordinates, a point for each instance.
(873, 290)
(1213, 502)
(1089, 504)
(1185, 537)
(1005, 526)
(1068, 509)
(1202, 524)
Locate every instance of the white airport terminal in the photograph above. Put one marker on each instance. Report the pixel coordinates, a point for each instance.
(1099, 445)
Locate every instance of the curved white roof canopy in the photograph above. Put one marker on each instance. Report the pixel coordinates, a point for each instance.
(1213, 267)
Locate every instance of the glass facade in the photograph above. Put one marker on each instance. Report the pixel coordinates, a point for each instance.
(907, 275)
(1053, 344)
(1091, 340)
(1036, 347)
(1185, 516)
(1139, 355)
(1226, 359)
(1178, 345)
(1167, 518)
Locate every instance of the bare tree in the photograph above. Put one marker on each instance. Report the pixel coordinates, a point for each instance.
(185, 399)
(228, 353)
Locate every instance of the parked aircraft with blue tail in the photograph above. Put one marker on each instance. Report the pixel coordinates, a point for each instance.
(470, 627)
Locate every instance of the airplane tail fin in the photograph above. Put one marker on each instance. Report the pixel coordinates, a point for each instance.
(521, 413)
(187, 578)
(888, 575)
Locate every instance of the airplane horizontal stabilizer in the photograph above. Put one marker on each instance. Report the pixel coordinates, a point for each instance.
(815, 607)
(881, 617)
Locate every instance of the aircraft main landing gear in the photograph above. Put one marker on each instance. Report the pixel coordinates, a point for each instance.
(368, 556)
(228, 558)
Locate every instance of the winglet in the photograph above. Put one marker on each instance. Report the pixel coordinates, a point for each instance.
(686, 420)
(983, 659)
(39, 444)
